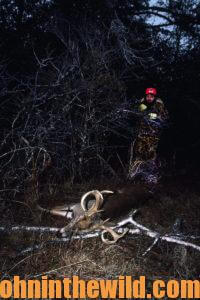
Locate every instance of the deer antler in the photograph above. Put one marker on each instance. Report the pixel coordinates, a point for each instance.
(116, 236)
(106, 192)
(95, 207)
(84, 218)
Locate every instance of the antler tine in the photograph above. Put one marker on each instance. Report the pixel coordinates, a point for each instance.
(114, 234)
(106, 192)
(98, 203)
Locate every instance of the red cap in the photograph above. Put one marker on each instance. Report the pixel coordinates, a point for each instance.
(151, 91)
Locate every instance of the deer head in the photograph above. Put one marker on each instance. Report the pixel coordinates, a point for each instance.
(95, 214)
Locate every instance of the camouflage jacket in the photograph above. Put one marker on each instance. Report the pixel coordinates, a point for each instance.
(153, 116)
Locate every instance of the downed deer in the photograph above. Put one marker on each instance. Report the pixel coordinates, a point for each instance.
(98, 215)
(85, 218)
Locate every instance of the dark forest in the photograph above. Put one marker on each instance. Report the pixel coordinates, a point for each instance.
(69, 69)
(70, 73)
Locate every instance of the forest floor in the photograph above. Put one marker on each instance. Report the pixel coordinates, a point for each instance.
(178, 197)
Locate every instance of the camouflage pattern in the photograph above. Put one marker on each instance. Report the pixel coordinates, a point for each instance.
(143, 158)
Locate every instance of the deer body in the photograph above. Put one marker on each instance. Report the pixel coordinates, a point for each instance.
(123, 200)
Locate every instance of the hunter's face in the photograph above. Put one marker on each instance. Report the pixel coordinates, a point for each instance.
(150, 98)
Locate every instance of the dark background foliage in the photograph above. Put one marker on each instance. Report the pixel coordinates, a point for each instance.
(71, 70)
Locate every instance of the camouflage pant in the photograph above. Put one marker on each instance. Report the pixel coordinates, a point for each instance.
(145, 147)
(143, 157)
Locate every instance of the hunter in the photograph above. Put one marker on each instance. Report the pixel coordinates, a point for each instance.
(153, 117)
